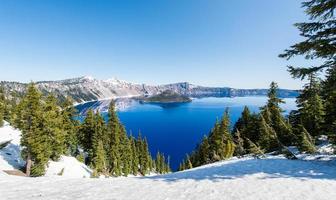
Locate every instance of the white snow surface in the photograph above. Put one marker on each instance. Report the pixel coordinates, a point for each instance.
(69, 167)
(247, 178)
(10, 156)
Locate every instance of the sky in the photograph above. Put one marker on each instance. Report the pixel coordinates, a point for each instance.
(232, 43)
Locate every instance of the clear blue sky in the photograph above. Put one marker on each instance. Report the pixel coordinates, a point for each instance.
(208, 42)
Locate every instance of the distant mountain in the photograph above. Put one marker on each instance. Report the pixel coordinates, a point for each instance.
(86, 88)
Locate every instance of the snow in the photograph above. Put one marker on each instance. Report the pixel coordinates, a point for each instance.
(311, 177)
(274, 177)
(68, 167)
(10, 156)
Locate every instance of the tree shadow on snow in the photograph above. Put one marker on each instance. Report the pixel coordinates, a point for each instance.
(12, 154)
(267, 168)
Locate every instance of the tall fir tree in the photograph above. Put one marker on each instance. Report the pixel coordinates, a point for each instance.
(135, 156)
(272, 114)
(70, 126)
(34, 142)
(268, 141)
(53, 127)
(329, 97)
(99, 160)
(310, 111)
(306, 142)
(85, 135)
(318, 44)
(239, 141)
(113, 128)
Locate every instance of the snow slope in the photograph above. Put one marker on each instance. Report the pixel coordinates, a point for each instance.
(69, 167)
(10, 158)
(247, 178)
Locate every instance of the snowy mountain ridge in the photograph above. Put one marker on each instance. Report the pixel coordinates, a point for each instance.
(87, 88)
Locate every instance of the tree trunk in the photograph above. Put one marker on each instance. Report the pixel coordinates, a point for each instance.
(28, 164)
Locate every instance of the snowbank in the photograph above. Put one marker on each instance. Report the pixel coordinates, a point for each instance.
(68, 167)
(10, 156)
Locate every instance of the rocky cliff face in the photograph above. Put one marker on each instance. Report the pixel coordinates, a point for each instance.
(86, 88)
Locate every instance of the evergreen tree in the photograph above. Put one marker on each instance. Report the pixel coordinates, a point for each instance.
(99, 159)
(239, 141)
(310, 106)
(306, 143)
(86, 132)
(319, 44)
(268, 141)
(126, 153)
(219, 137)
(144, 156)
(247, 124)
(329, 96)
(70, 126)
(229, 148)
(188, 164)
(53, 124)
(135, 157)
(203, 152)
(272, 114)
(113, 128)
(243, 121)
(34, 142)
(253, 148)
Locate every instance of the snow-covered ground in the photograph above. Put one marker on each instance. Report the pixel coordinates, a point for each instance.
(248, 178)
(69, 167)
(10, 158)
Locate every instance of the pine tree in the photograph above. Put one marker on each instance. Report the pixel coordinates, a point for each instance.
(144, 156)
(70, 126)
(306, 143)
(253, 148)
(85, 137)
(329, 96)
(310, 111)
(53, 124)
(99, 159)
(268, 141)
(243, 122)
(272, 114)
(319, 44)
(188, 164)
(126, 153)
(204, 152)
(229, 148)
(247, 124)
(113, 128)
(135, 157)
(34, 142)
(239, 141)
(182, 166)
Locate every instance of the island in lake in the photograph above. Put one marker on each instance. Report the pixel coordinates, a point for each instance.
(166, 96)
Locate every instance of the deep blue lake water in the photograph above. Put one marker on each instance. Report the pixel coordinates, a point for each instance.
(176, 129)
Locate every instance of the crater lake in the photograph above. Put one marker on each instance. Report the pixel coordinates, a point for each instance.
(176, 128)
